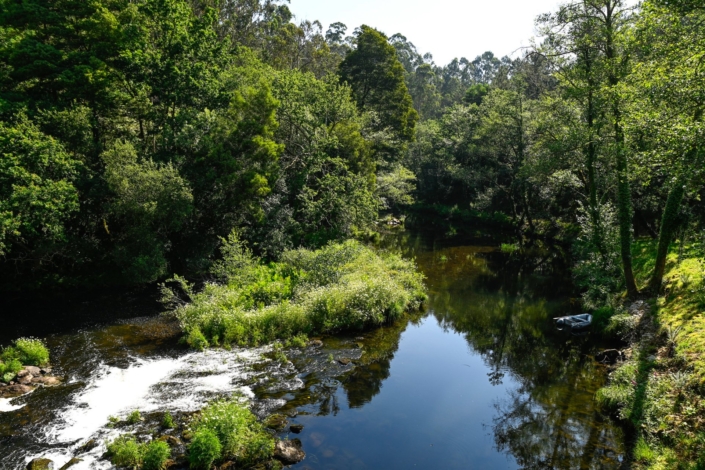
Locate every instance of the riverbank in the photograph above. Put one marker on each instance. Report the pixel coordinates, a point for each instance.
(659, 391)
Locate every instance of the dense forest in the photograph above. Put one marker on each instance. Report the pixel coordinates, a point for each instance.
(138, 136)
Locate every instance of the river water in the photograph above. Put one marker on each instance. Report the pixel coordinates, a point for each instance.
(478, 380)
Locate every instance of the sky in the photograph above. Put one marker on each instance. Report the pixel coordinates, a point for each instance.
(445, 28)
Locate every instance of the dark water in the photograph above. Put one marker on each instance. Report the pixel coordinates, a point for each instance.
(479, 380)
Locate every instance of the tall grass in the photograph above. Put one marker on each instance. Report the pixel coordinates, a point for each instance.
(344, 286)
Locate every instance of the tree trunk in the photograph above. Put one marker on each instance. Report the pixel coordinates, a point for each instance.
(669, 224)
(624, 202)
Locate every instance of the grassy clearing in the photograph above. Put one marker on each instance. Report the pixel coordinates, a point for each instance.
(344, 286)
(660, 390)
(24, 352)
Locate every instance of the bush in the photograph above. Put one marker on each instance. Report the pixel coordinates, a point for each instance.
(32, 352)
(125, 451)
(134, 417)
(237, 430)
(168, 421)
(205, 449)
(156, 455)
(9, 370)
(340, 287)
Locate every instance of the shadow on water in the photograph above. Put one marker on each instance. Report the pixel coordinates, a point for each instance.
(478, 380)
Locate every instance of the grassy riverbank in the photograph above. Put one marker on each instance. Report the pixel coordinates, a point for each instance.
(660, 390)
(344, 286)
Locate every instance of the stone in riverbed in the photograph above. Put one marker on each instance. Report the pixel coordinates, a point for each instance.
(23, 373)
(40, 464)
(35, 371)
(344, 361)
(289, 452)
(13, 391)
(87, 447)
(316, 343)
(296, 428)
(26, 379)
(70, 463)
(47, 381)
(276, 421)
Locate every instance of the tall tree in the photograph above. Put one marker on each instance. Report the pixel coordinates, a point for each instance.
(376, 78)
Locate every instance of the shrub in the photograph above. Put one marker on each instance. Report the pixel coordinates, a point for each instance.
(156, 455)
(241, 436)
(509, 248)
(642, 452)
(205, 449)
(125, 451)
(340, 287)
(32, 351)
(9, 370)
(134, 417)
(168, 421)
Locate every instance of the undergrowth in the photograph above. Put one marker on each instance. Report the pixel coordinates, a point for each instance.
(23, 352)
(345, 286)
(660, 390)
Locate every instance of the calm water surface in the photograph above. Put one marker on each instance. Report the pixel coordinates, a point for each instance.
(478, 380)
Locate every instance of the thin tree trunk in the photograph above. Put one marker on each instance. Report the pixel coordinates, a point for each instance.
(669, 224)
(624, 202)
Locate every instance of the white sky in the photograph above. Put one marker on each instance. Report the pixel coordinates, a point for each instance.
(445, 28)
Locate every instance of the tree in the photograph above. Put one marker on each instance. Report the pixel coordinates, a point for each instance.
(376, 78)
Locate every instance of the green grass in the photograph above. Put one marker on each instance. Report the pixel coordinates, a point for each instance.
(125, 451)
(168, 421)
(344, 286)
(156, 455)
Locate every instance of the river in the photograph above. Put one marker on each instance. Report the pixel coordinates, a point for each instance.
(480, 379)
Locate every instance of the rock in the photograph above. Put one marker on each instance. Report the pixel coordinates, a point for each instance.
(171, 440)
(296, 428)
(23, 373)
(26, 380)
(70, 463)
(40, 464)
(289, 452)
(344, 361)
(609, 356)
(87, 447)
(187, 435)
(316, 343)
(277, 422)
(44, 371)
(47, 381)
(16, 390)
(35, 371)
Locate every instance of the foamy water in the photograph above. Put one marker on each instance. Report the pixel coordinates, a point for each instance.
(179, 384)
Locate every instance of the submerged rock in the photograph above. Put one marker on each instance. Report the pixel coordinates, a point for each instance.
(12, 391)
(40, 464)
(277, 422)
(289, 452)
(296, 428)
(87, 447)
(344, 361)
(70, 463)
(316, 343)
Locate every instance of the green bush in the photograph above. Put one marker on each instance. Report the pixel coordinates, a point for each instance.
(237, 430)
(134, 417)
(205, 449)
(9, 370)
(156, 455)
(125, 451)
(340, 287)
(32, 352)
(168, 421)
(642, 452)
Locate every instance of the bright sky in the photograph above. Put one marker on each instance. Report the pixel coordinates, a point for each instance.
(445, 28)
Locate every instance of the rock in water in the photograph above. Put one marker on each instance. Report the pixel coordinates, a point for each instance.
(13, 391)
(40, 464)
(46, 381)
(289, 452)
(35, 371)
(296, 428)
(70, 463)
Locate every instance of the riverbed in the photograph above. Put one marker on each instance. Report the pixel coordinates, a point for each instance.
(480, 379)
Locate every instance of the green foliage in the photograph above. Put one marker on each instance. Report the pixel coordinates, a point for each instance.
(205, 448)
(509, 248)
(125, 451)
(134, 417)
(643, 452)
(156, 455)
(32, 352)
(376, 77)
(168, 421)
(340, 287)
